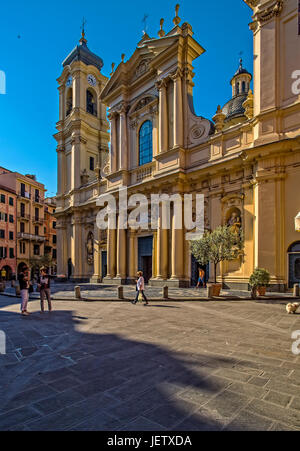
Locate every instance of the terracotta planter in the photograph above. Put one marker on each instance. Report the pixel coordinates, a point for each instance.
(214, 290)
(261, 291)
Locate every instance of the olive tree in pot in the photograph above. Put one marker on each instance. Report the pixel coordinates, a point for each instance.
(259, 281)
(223, 244)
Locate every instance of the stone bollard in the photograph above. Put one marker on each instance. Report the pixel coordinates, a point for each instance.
(296, 292)
(165, 293)
(18, 291)
(120, 292)
(77, 293)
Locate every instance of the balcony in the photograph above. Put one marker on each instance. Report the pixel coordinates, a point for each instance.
(23, 216)
(30, 237)
(38, 200)
(38, 220)
(24, 195)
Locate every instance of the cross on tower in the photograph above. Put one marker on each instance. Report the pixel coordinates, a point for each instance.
(82, 27)
(145, 23)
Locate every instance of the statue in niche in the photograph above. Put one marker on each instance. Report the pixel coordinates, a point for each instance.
(235, 222)
(90, 248)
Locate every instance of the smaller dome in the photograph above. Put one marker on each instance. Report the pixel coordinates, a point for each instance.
(83, 53)
(234, 108)
(241, 70)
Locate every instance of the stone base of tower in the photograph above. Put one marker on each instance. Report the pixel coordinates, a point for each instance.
(171, 283)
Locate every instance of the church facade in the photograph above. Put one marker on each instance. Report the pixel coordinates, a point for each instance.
(245, 160)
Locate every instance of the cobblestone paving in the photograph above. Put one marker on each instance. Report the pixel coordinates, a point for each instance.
(175, 366)
(101, 291)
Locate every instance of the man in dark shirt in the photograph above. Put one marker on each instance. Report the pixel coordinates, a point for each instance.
(24, 287)
(45, 292)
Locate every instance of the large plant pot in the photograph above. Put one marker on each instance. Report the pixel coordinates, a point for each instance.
(262, 291)
(214, 290)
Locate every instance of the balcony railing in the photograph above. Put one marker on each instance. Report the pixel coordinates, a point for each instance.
(38, 220)
(38, 200)
(30, 237)
(24, 195)
(24, 216)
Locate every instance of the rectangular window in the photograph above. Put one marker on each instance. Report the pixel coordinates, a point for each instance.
(23, 189)
(11, 252)
(3, 217)
(2, 234)
(54, 254)
(23, 210)
(92, 164)
(37, 214)
(11, 219)
(22, 248)
(2, 198)
(54, 225)
(11, 201)
(22, 227)
(54, 239)
(11, 236)
(36, 249)
(37, 195)
(36, 230)
(3, 252)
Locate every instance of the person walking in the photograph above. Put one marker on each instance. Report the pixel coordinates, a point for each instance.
(201, 279)
(45, 291)
(140, 289)
(24, 281)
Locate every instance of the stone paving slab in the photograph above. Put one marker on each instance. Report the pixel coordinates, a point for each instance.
(216, 365)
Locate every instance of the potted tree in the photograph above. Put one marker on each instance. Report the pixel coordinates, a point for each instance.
(259, 281)
(223, 244)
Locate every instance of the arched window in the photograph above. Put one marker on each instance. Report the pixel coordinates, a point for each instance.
(91, 102)
(244, 86)
(69, 103)
(237, 89)
(145, 143)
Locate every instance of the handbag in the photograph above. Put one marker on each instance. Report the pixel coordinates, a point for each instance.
(140, 298)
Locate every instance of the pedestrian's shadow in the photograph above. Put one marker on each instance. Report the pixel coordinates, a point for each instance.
(55, 377)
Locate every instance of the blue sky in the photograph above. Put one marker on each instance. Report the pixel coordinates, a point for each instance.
(36, 37)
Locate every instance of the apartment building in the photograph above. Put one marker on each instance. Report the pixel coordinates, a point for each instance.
(30, 231)
(8, 227)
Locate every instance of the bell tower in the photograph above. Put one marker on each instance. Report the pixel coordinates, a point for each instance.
(82, 153)
(82, 136)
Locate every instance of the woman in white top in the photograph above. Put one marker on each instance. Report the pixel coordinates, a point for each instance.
(140, 288)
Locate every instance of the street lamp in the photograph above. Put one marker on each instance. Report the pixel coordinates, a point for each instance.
(297, 223)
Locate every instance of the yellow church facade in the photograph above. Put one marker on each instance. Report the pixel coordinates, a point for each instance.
(245, 160)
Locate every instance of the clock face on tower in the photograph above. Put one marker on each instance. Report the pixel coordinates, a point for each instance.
(69, 81)
(91, 80)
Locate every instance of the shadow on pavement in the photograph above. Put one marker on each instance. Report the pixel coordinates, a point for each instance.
(57, 378)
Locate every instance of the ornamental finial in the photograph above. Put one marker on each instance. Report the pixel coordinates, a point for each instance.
(83, 40)
(176, 19)
(161, 32)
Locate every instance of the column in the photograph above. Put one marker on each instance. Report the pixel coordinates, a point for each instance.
(111, 253)
(132, 255)
(163, 116)
(121, 255)
(75, 163)
(97, 254)
(113, 141)
(178, 110)
(61, 243)
(162, 251)
(177, 252)
(123, 139)
(76, 247)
